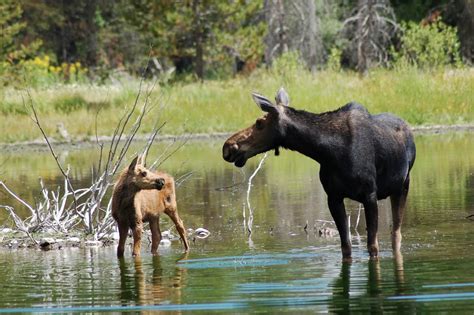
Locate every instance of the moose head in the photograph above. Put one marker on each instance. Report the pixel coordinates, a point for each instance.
(141, 177)
(264, 135)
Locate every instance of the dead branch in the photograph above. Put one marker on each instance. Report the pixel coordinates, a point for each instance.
(36, 120)
(249, 187)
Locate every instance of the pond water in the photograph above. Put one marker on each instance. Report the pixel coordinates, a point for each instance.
(280, 267)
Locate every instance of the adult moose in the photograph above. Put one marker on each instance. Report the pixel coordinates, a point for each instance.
(363, 157)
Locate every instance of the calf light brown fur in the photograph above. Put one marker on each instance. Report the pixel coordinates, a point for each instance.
(141, 195)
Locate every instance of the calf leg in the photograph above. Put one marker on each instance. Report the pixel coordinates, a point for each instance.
(137, 238)
(398, 202)
(338, 212)
(123, 233)
(155, 235)
(371, 219)
(173, 214)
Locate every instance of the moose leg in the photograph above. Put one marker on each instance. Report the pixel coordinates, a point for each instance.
(398, 202)
(155, 235)
(371, 219)
(137, 238)
(173, 214)
(123, 233)
(338, 212)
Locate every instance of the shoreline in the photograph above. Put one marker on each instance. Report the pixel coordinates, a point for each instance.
(87, 142)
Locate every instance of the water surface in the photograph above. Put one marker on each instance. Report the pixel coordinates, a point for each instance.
(280, 267)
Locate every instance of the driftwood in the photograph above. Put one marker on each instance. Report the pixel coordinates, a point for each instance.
(86, 210)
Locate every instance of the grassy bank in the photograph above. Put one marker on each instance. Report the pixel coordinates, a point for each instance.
(422, 98)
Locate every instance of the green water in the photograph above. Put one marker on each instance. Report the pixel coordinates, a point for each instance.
(280, 267)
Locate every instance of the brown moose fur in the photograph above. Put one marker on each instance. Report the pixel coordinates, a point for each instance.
(141, 195)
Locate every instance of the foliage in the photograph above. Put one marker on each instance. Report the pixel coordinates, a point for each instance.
(331, 15)
(428, 46)
(42, 71)
(288, 64)
(420, 97)
(334, 60)
(70, 103)
(196, 33)
(11, 51)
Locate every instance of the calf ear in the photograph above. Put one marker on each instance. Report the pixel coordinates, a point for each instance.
(282, 97)
(142, 159)
(264, 103)
(131, 167)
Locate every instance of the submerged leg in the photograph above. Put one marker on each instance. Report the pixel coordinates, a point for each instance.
(338, 212)
(123, 233)
(173, 214)
(372, 218)
(137, 238)
(155, 235)
(398, 202)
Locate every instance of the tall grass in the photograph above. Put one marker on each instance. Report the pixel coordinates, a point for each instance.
(420, 97)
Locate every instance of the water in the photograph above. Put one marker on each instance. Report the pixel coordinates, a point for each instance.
(280, 267)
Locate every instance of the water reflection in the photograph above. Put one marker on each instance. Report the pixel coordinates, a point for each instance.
(282, 266)
(355, 290)
(157, 288)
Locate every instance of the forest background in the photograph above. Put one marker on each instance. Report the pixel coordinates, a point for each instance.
(82, 62)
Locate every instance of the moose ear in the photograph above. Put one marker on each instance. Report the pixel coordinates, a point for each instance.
(282, 97)
(132, 166)
(142, 159)
(264, 103)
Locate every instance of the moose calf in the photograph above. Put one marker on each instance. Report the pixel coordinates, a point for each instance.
(141, 195)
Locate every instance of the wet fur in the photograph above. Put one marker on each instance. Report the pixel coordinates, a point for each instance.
(131, 206)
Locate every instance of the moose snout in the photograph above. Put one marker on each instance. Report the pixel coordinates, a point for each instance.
(159, 183)
(229, 150)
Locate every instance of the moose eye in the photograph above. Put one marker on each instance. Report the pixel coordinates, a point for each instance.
(143, 173)
(259, 124)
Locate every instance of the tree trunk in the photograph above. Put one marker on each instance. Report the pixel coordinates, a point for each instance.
(91, 38)
(198, 41)
(276, 39)
(363, 32)
(311, 45)
(465, 24)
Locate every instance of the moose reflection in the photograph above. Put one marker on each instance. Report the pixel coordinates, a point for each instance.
(363, 157)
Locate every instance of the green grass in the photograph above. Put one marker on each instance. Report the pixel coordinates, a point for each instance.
(422, 98)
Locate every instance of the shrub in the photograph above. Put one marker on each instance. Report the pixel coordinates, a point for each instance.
(334, 60)
(68, 104)
(428, 46)
(288, 66)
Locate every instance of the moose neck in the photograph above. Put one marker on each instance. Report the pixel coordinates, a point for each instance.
(310, 134)
(125, 191)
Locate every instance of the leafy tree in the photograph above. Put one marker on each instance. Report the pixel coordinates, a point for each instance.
(12, 50)
(196, 32)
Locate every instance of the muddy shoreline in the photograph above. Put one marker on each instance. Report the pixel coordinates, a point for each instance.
(89, 142)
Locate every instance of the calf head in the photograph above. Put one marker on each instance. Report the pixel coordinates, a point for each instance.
(264, 135)
(141, 177)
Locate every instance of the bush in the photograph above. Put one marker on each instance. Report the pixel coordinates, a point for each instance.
(70, 103)
(288, 66)
(428, 46)
(334, 60)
